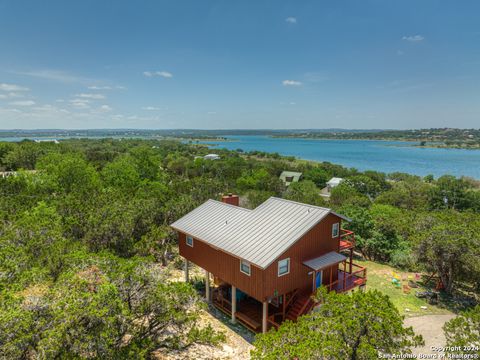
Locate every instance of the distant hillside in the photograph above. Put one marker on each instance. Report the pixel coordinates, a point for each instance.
(436, 137)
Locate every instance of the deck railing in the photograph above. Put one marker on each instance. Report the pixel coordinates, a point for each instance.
(346, 281)
(347, 239)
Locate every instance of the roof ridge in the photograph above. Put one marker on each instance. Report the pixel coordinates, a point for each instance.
(299, 203)
(227, 204)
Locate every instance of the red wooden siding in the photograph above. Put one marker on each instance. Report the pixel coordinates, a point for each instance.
(316, 242)
(223, 265)
(262, 284)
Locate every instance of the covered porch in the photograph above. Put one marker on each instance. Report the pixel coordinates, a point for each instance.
(241, 307)
(337, 272)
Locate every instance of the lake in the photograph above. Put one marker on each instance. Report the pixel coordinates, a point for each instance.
(385, 156)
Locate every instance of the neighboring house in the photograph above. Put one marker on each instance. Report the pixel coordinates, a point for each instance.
(333, 182)
(55, 141)
(266, 262)
(212, 157)
(289, 177)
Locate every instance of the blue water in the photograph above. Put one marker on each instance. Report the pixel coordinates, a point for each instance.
(385, 156)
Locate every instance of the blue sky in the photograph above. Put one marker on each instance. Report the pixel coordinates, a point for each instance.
(239, 64)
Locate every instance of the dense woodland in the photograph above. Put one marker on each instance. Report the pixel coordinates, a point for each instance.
(441, 137)
(85, 245)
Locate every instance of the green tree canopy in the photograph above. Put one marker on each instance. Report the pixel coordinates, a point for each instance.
(306, 192)
(357, 326)
(464, 331)
(448, 244)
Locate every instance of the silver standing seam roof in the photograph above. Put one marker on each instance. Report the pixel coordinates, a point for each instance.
(258, 236)
(324, 261)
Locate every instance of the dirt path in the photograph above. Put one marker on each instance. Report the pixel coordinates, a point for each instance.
(236, 347)
(430, 327)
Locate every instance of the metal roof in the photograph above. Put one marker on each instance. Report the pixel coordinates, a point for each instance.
(334, 181)
(290, 173)
(324, 261)
(258, 236)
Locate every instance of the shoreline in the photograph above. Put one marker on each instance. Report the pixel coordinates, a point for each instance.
(432, 145)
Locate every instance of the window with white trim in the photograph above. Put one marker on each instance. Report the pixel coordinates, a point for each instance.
(284, 267)
(245, 267)
(189, 241)
(335, 230)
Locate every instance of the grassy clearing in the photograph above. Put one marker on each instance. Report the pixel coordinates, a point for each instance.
(380, 278)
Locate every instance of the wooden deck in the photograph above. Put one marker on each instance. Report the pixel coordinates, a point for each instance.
(249, 310)
(347, 281)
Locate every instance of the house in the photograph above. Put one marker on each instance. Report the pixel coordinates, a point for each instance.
(333, 182)
(212, 157)
(266, 262)
(55, 141)
(289, 177)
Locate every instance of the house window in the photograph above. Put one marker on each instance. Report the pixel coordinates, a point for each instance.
(283, 267)
(189, 241)
(245, 267)
(335, 230)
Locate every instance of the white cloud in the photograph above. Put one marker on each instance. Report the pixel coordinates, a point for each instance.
(105, 108)
(55, 75)
(291, 83)
(291, 20)
(150, 108)
(83, 101)
(94, 87)
(91, 96)
(164, 74)
(414, 38)
(12, 87)
(11, 95)
(23, 103)
(80, 103)
(97, 87)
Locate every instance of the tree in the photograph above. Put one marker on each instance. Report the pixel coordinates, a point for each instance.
(407, 194)
(346, 194)
(24, 155)
(365, 185)
(34, 241)
(317, 175)
(256, 197)
(102, 307)
(147, 162)
(70, 173)
(464, 330)
(449, 193)
(357, 326)
(121, 173)
(304, 192)
(447, 243)
(254, 180)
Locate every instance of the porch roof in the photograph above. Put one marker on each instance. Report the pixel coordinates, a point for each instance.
(324, 261)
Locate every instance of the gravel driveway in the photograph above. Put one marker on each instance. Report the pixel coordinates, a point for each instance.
(430, 327)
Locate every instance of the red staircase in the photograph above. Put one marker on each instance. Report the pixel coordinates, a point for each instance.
(301, 305)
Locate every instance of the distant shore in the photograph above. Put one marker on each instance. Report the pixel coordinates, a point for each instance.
(427, 143)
